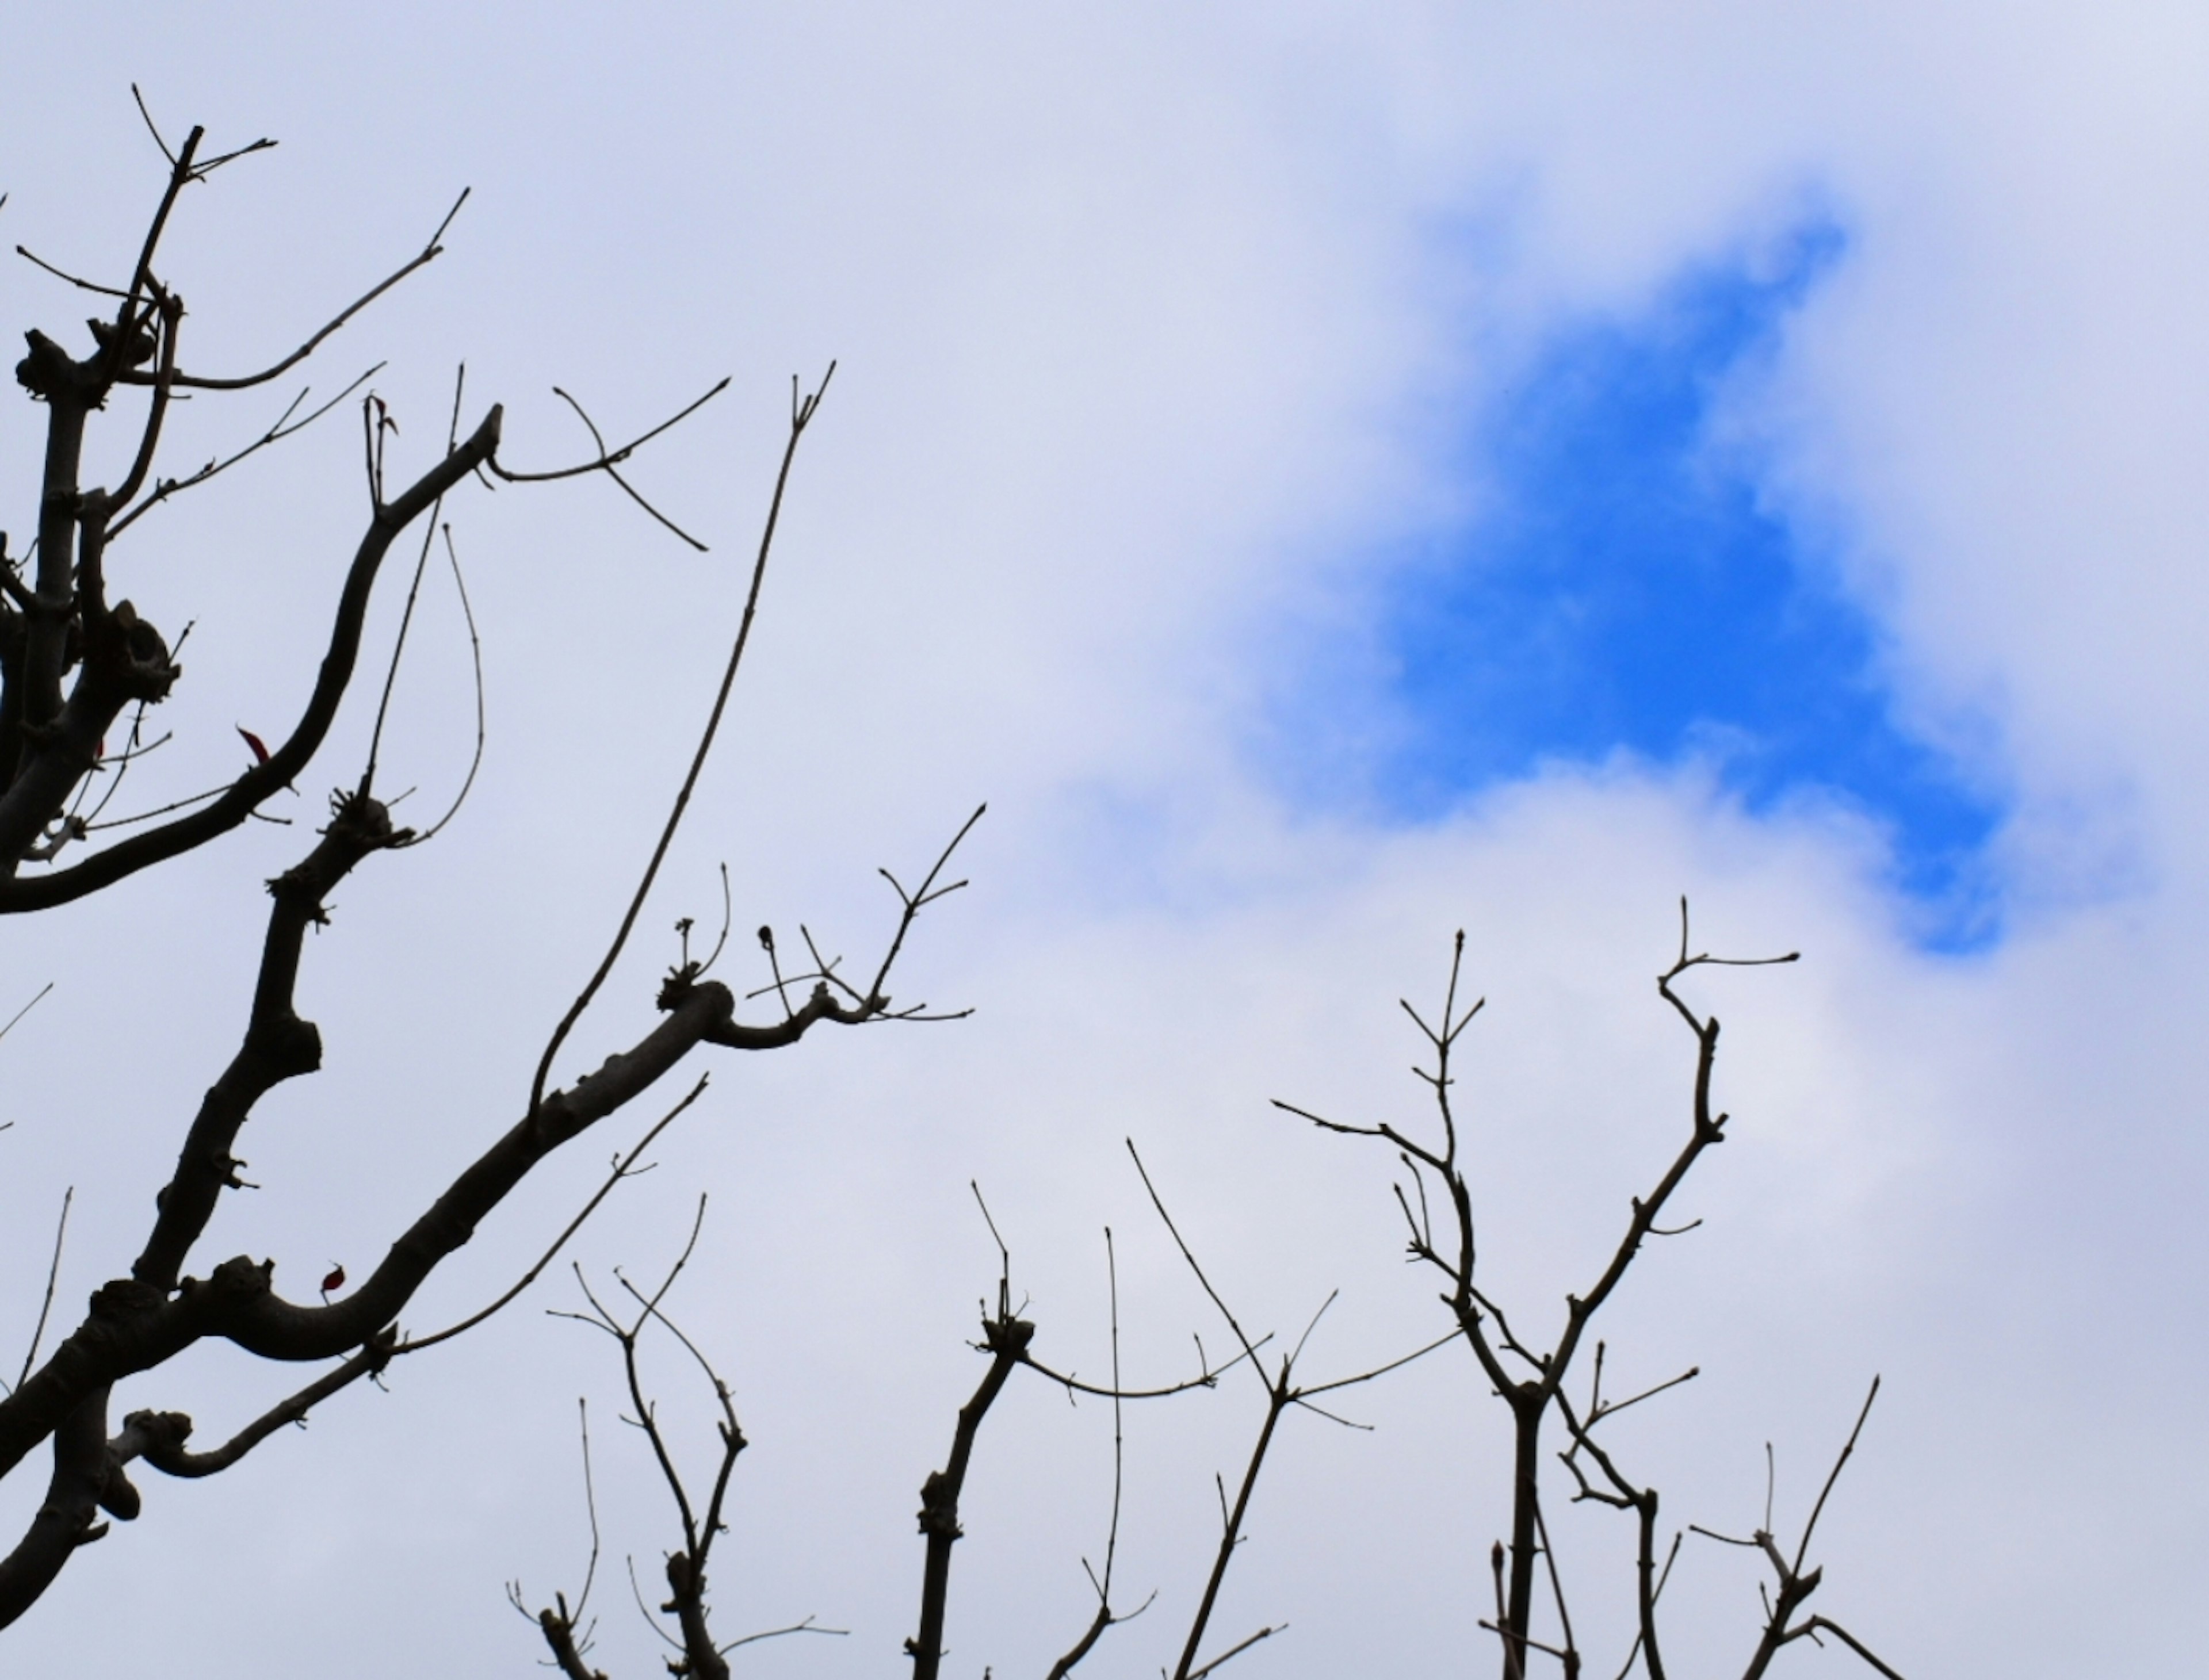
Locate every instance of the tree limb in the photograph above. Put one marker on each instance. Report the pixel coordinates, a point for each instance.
(39, 791)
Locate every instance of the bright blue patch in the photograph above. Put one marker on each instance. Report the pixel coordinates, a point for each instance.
(1629, 589)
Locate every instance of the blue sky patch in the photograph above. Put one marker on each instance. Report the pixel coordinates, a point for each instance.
(1626, 587)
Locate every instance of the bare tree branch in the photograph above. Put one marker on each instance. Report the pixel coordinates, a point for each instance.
(429, 253)
(53, 1274)
(1005, 1338)
(158, 1436)
(24, 806)
(800, 418)
(624, 1166)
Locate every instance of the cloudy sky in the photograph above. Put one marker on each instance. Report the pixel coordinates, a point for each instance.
(1328, 478)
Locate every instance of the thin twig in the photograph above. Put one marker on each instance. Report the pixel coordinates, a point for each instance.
(624, 1167)
(53, 1272)
(1818, 1624)
(428, 253)
(1104, 1618)
(78, 281)
(608, 458)
(150, 127)
(1832, 1476)
(1174, 1232)
(475, 655)
(413, 593)
(26, 1009)
(1207, 1378)
(1236, 1650)
(798, 422)
(1382, 1369)
(284, 426)
(160, 810)
(590, 1502)
(805, 1627)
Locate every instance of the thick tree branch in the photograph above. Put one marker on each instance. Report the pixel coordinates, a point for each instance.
(278, 1044)
(560, 1637)
(79, 1483)
(134, 1326)
(88, 1473)
(276, 1329)
(1006, 1338)
(29, 806)
(624, 1166)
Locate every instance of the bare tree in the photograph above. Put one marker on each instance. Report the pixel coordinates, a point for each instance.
(567, 1631)
(73, 662)
(1531, 1377)
(1008, 1340)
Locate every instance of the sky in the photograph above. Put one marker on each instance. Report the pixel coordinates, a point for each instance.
(1328, 477)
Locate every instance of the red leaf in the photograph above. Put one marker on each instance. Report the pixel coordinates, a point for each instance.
(260, 751)
(335, 1280)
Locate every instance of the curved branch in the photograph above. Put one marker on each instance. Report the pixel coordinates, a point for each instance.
(1209, 1378)
(134, 1326)
(64, 1520)
(283, 428)
(429, 253)
(609, 458)
(264, 1323)
(158, 1436)
(236, 803)
(278, 1044)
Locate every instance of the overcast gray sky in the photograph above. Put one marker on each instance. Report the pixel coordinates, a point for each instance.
(1328, 477)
